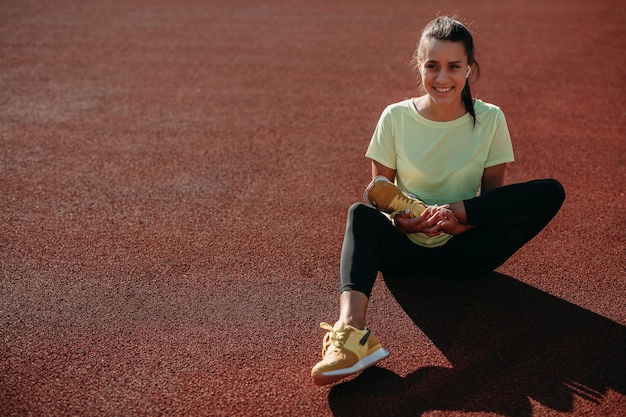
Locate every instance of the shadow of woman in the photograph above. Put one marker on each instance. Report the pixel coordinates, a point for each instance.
(506, 341)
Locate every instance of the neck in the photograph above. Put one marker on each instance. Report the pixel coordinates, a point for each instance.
(438, 112)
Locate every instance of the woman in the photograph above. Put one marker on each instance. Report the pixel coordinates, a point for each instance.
(451, 151)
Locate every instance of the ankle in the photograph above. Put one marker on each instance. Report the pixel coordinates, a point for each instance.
(353, 308)
(357, 324)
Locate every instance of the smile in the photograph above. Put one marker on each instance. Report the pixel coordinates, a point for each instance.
(442, 90)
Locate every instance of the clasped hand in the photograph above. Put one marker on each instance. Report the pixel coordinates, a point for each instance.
(434, 221)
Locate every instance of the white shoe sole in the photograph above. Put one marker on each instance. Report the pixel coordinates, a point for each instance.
(371, 184)
(324, 378)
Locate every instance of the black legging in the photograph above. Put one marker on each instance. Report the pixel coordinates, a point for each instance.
(505, 219)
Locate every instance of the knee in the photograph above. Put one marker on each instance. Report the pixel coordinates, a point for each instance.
(556, 191)
(354, 207)
(553, 194)
(362, 213)
(359, 210)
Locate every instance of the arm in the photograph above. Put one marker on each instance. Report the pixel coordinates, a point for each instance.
(493, 177)
(380, 169)
(452, 218)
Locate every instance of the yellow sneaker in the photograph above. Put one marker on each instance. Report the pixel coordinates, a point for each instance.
(385, 196)
(345, 351)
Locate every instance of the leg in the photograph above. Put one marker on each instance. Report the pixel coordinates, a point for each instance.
(353, 308)
(371, 244)
(505, 219)
(349, 346)
(523, 209)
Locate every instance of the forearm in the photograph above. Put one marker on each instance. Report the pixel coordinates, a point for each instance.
(458, 209)
(456, 222)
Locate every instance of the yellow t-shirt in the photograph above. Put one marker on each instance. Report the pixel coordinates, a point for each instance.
(440, 162)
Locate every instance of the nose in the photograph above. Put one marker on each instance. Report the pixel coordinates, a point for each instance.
(442, 75)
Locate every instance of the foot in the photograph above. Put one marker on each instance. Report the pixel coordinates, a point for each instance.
(346, 351)
(386, 197)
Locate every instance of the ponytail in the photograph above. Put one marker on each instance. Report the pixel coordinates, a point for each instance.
(468, 101)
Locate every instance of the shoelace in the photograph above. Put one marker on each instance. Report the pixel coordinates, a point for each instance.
(404, 199)
(409, 200)
(332, 339)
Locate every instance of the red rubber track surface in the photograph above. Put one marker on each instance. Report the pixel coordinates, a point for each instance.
(174, 183)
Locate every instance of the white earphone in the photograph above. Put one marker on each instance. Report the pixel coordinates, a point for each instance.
(469, 70)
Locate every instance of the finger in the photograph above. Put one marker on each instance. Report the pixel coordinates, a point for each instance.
(434, 219)
(402, 219)
(433, 234)
(404, 214)
(426, 213)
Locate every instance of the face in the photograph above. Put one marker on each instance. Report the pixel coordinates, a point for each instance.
(443, 67)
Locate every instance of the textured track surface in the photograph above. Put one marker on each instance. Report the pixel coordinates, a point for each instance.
(174, 178)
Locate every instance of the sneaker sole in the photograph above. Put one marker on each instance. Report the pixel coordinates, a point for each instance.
(369, 187)
(324, 378)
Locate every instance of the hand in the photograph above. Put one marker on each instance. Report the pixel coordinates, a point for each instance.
(434, 221)
(426, 223)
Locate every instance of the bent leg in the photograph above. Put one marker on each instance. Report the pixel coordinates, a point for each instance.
(523, 209)
(371, 244)
(361, 250)
(505, 219)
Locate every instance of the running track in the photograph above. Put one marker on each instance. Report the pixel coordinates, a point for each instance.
(174, 177)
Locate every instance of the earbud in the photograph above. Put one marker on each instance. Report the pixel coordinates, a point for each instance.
(469, 71)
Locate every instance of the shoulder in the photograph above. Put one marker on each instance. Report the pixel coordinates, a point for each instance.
(484, 108)
(399, 107)
(395, 112)
(487, 111)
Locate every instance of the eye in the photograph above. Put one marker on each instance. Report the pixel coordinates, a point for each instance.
(430, 67)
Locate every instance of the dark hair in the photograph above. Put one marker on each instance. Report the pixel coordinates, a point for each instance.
(445, 28)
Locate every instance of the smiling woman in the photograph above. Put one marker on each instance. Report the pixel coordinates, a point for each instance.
(451, 151)
(444, 73)
(444, 58)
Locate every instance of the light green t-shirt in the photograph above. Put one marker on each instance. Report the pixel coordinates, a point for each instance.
(440, 162)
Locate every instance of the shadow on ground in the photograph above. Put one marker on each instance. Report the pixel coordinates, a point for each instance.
(506, 341)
